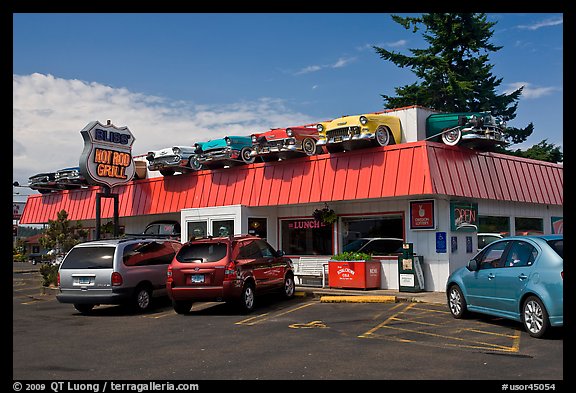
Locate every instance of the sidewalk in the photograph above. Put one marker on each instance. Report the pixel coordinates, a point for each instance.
(370, 295)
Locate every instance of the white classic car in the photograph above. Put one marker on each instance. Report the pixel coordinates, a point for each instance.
(171, 160)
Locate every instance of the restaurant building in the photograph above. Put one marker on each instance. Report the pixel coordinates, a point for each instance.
(435, 196)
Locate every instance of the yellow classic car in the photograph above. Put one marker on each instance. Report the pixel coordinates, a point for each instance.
(359, 131)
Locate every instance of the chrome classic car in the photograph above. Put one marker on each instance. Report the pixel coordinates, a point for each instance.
(227, 151)
(282, 143)
(43, 182)
(475, 129)
(70, 178)
(359, 131)
(171, 160)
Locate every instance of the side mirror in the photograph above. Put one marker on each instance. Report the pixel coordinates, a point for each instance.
(472, 265)
(280, 253)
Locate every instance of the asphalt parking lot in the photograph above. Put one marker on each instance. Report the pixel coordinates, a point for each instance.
(299, 339)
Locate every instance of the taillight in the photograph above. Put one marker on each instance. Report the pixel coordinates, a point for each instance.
(169, 277)
(116, 279)
(58, 279)
(230, 272)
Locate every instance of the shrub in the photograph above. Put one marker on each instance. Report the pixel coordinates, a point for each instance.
(352, 256)
(49, 274)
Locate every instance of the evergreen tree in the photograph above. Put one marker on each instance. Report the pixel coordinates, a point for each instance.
(454, 71)
(62, 234)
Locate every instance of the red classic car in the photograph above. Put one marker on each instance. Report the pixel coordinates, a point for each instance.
(282, 143)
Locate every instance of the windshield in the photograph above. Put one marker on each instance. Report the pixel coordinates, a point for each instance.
(89, 258)
(202, 252)
(355, 245)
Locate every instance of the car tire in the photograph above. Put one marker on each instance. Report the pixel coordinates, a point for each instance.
(84, 308)
(289, 287)
(247, 298)
(309, 147)
(245, 155)
(195, 164)
(383, 137)
(167, 172)
(142, 298)
(181, 306)
(535, 317)
(452, 138)
(457, 303)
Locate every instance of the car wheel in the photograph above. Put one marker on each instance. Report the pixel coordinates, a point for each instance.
(452, 138)
(142, 298)
(84, 308)
(309, 146)
(167, 172)
(456, 302)
(245, 155)
(194, 164)
(535, 317)
(382, 136)
(181, 306)
(44, 191)
(247, 298)
(289, 287)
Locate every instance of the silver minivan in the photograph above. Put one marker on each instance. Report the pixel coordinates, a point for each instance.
(116, 271)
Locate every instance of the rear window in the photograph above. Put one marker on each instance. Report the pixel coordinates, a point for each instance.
(558, 246)
(201, 252)
(89, 258)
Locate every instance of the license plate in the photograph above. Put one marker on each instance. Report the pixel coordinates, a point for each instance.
(338, 139)
(84, 280)
(197, 278)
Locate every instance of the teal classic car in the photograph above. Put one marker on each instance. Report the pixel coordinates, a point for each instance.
(219, 153)
(475, 129)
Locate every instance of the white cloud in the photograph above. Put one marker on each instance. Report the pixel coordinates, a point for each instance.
(341, 62)
(545, 23)
(49, 112)
(530, 91)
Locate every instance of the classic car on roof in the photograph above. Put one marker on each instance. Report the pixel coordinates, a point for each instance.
(282, 143)
(70, 178)
(475, 129)
(171, 159)
(227, 151)
(43, 182)
(358, 131)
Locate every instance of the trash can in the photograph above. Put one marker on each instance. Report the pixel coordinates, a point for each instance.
(410, 275)
(354, 274)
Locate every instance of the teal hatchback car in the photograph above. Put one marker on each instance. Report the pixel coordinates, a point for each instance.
(218, 153)
(519, 278)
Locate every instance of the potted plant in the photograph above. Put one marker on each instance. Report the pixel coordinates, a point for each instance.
(325, 215)
(352, 269)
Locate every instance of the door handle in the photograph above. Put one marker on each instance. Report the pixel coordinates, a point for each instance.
(522, 277)
(491, 276)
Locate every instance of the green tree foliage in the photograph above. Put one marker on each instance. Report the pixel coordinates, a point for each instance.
(62, 234)
(454, 73)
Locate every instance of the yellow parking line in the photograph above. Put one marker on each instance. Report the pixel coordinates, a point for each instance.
(263, 317)
(392, 317)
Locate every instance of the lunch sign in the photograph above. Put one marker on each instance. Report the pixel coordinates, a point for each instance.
(107, 156)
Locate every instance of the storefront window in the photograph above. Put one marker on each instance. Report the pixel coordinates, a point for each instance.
(197, 229)
(306, 237)
(529, 226)
(376, 235)
(223, 228)
(494, 224)
(258, 227)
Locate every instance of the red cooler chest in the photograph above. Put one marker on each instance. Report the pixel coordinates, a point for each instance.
(354, 274)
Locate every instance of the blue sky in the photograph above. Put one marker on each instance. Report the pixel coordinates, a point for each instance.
(181, 78)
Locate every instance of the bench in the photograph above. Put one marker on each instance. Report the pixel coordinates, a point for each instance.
(312, 271)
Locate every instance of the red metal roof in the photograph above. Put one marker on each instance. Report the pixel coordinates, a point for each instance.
(408, 169)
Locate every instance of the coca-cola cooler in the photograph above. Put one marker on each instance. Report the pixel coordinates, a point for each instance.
(354, 274)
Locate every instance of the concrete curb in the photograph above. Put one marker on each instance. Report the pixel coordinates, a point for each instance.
(358, 299)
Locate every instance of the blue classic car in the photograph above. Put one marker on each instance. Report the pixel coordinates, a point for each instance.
(520, 278)
(70, 178)
(227, 151)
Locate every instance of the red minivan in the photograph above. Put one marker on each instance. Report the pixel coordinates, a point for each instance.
(231, 269)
